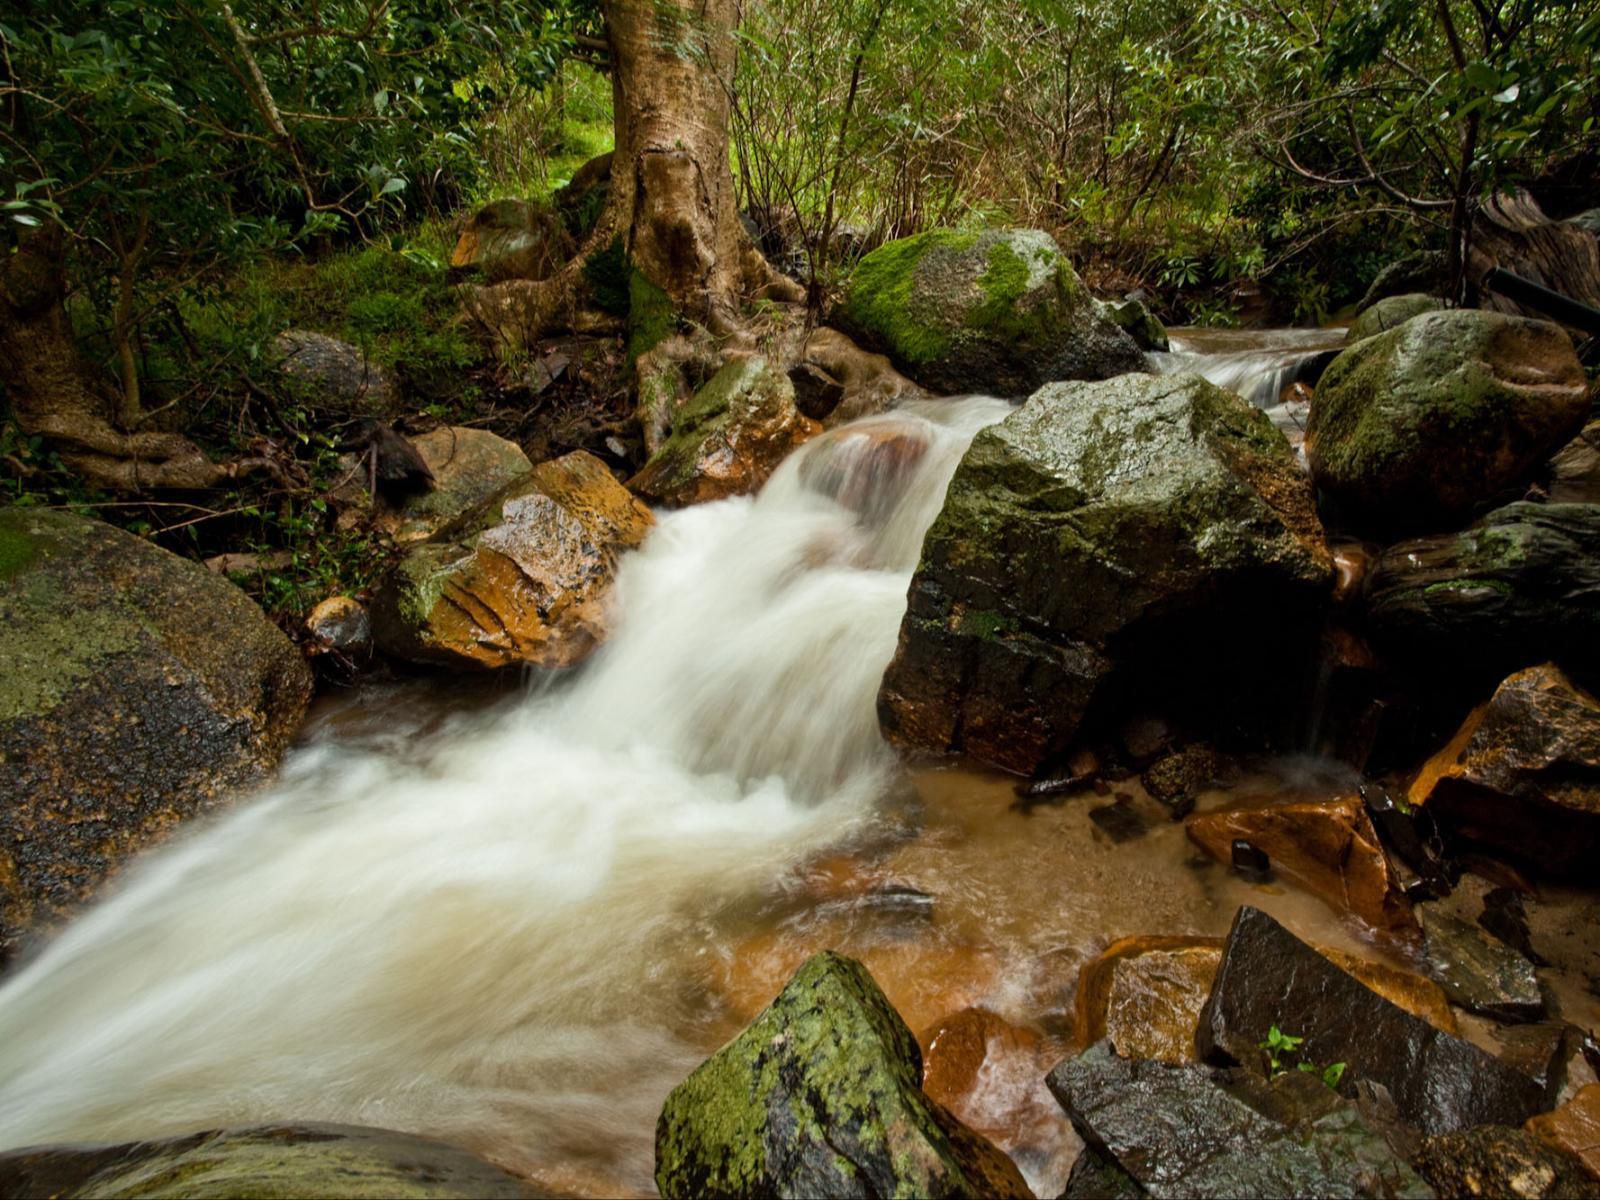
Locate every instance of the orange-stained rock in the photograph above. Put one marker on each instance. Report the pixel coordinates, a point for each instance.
(1328, 847)
(1419, 996)
(955, 1049)
(525, 582)
(1522, 775)
(1574, 1127)
(728, 439)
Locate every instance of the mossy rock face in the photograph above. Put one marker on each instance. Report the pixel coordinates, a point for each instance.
(136, 689)
(269, 1162)
(1102, 530)
(999, 312)
(821, 1096)
(728, 439)
(520, 581)
(1391, 312)
(1413, 429)
(1141, 324)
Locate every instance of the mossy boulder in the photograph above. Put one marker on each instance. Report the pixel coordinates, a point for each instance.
(268, 1162)
(522, 581)
(1147, 529)
(1141, 324)
(1001, 312)
(821, 1096)
(136, 689)
(1392, 312)
(333, 376)
(728, 439)
(1413, 429)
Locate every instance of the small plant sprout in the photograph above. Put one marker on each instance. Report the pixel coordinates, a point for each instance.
(1282, 1052)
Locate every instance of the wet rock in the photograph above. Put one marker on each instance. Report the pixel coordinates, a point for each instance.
(1496, 1162)
(1120, 822)
(1144, 995)
(1101, 538)
(1192, 1131)
(866, 467)
(469, 466)
(1178, 779)
(870, 382)
(1574, 1128)
(1413, 429)
(136, 689)
(1328, 847)
(1249, 861)
(1505, 916)
(1477, 972)
(261, 1163)
(510, 239)
(960, 1044)
(816, 393)
(342, 626)
(1517, 588)
(1096, 1177)
(1575, 470)
(821, 1096)
(998, 312)
(1523, 774)
(1544, 1052)
(334, 376)
(1269, 977)
(1139, 323)
(523, 581)
(1391, 312)
(728, 439)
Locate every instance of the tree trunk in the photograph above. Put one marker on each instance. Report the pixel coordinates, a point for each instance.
(54, 394)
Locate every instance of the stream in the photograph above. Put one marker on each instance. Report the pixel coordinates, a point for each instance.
(516, 920)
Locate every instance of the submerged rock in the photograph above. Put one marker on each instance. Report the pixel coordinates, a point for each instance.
(999, 312)
(1327, 847)
(1102, 530)
(1574, 1128)
(1269, 977)
(1495, 1162)
(821, 1096)
(1413, 429)
(1391, 312)
(1192, 1131)
(334, 376)
(728, 439)
(263, 1162)
(1517, 588)
(524, 581)
(136, 690)
(1478, 972)
(1523, 774)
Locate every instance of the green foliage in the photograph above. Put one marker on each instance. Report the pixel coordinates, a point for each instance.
(1282, 1052)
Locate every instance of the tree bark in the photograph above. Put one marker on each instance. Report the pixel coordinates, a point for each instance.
(54, 394)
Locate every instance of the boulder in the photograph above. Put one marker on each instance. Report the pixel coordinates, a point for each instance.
(137, 688)
(1575, 470)
(868, 382)
(1178, 778)
(263, 1162)
(1190, 1131)
(511, 239)
(340, 625)
(1327, 847)
(1523, 774)
(522, 582)
(469, 466)
(1518, 588)
(821, 1096)
(1480, 973)
(1574, 1128)
(1419, 271)
(1414, 429)
(1269, 977)
(334, 376)
(1140, 323)
(1391, 312)
(1103, 536)
(1495, 1163)
(998, 312)
(728, 439)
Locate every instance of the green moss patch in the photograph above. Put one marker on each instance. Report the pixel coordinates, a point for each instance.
(882, 291)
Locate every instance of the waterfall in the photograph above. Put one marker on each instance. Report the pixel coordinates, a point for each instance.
(490, 936)
(1256, 363)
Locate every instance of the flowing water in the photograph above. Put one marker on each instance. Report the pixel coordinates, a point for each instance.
(1257, 363)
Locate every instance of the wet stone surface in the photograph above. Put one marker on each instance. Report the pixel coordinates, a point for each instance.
(1478, 972)
(1493, 1161)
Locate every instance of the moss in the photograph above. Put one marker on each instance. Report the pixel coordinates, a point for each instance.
(882, 291)
(651, 316)
(984, 623)
(606, 272)
(17, 550)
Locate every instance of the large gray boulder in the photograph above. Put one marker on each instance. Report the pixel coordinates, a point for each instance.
(1391, 312)
(334, 376)
(999, 312)
(1414, 429)
(1100, 531)
(821, 1096)
(136, 689)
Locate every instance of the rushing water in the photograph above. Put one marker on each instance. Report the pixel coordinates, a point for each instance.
(483, 934)
(1256, 363)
